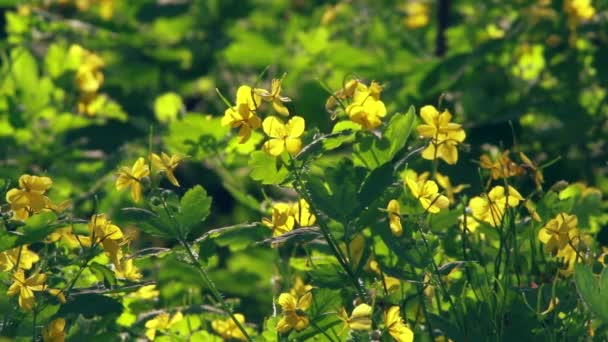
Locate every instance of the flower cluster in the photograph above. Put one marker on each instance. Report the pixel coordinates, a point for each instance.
(360, 102)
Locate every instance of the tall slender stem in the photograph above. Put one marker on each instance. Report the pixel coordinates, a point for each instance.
(214, 291)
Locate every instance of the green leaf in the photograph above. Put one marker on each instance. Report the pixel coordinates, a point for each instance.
(103, 273)
(91, 305)
(195, 206)
(337, 197)
(372, 152)
(375, 184)
(167, 107)
(398, 130)
(264, 168)
(195, 135)
(342, 126)
(149, 222)
(35, 229)
(592, 290)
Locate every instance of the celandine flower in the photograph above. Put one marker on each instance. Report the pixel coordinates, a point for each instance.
(367, 109)
(274, 97)
(559, 232)
(25, 288)
(29, 198)
(395, 326)
(427, 193)
(293, 312)
(445, 135)
(243, 115)
(22, 255)
(161, 322)
(282, 221)
(167, 164)
(394, 217)
(228, 329)
(360, 318)
(283, 136)
(491, 208)
(54, 332)
(132, 178)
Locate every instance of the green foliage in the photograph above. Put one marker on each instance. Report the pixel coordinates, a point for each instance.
(221, 228)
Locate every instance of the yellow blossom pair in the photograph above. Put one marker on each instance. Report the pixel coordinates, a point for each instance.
(491, 207)
(443, 134)
(559, 233)
(111, 238)
(228, 329)
(26, 287)
(294, 316)
(30, 197)
(286, 215)
(366, 108)
(17, 258)
(427, 193)
(132, 177)
(161, 322)
(89, 78)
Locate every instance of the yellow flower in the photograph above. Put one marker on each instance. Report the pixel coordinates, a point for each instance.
(66, 236)
(450, 190)
(161, 322)
(283, 136)
(26, 288)
(243, 114)
(58, 294)
(282, 220)
(167, 164)
(89, 77)
(471, 223)
(29, 199)
(145, 292)
(293, 312)
(427, 193)
(579, 10)
(394, 217)
(355, 250)
(491, 208)
(300, 288)
(416, 15)
(539, 179)
(392, 284)
(228, 329)
(396, 328)
(25, 257)
(559, 232)
(54, 332)
(132, 178)
(500, 167)
(367, 109)
(301, 212)
(125, 269)
(444, 135)
(102, 228)
(274, 97)
(360, 319)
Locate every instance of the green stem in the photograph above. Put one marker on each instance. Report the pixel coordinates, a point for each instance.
(300, 189)
(214, 291)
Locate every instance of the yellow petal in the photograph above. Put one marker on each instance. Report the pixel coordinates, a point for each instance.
(274, 147)
(287, 302)
(295, 127)
(293, 145)
(273, 127)
(428, 114)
